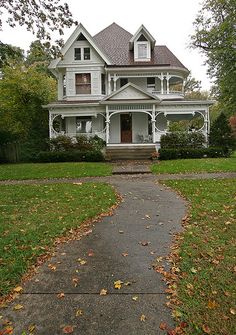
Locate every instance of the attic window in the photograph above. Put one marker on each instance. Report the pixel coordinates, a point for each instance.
(81, 37)
(142, 50)
(142, 38)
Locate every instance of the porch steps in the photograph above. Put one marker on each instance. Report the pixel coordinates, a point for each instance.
(129, 153)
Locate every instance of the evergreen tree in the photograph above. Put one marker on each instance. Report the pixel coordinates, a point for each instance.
(221, 133)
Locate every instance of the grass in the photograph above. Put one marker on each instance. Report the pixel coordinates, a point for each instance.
(195, 165)
(206, 285)
(53, 170)
(32, 216)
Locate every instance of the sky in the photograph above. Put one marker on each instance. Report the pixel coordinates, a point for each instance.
(169, 21)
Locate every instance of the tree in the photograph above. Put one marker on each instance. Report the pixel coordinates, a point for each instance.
(39, 17)
(9, 53)
(192, 90)
(39, 55)
(221, 133)
(23, 91)
(215, 36)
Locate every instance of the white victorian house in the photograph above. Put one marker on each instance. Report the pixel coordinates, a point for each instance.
(122, 87)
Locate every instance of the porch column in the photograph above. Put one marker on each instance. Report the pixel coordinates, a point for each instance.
(109, 83)
(115, 79)
(162, 85)
(153, 124)
(167, 83)
(107, 125)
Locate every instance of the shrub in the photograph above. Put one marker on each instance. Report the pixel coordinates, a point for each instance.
(69, 156)
(61, 143)
(183, 140)
(181, 153)
(80, 143)
(221, 133)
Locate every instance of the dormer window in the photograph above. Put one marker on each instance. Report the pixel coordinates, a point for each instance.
(142, 50)
(82, 53)
(77, 53)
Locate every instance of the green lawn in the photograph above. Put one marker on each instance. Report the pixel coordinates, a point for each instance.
(32, 216)
(53, 170)
(207, 277)
(195, 165)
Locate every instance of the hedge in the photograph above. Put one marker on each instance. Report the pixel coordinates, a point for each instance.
(69, 156)
(183, 140)
(182, 153)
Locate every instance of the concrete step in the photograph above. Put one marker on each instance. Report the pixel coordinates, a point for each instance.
(138, 152)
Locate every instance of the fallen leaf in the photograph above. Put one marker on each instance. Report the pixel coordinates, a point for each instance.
(82, 261)
(103, 292)
(31, 328)
(135, 298)
(90, 253)
(212, 304)
(61, 295)
(7, 331)
(121, 231)
(176, 314)
(143, 318)
(206, 329)
(18, 307)
(18, 289)
(147, 216)
(117, 284)
(232, 311)
(145, 243)
(128, 283)
(68, 329)
(79, 312)
(125, 254)
(193, 270)
(77, 183)
(52, 267)
(75, 281)
(163, 326)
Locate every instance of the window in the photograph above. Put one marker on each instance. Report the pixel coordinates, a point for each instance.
(123, 81)
(64, 84)
(77, 55)
(83, 83)
(103, 85)
(83, 124)
(86, 53)
(142, 50)
(151, 82)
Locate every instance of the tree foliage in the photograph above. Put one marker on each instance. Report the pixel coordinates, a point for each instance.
(23, 91)
(221, 134)
(39, 17)
(215, 36)
(9, 53)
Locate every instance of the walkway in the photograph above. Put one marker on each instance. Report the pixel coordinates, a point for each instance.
(121, 247)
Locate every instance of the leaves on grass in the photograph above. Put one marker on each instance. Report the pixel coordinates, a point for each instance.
(68, 329)
(193, 270)
(212, 304)
(18, 289)
(206, 329)
(103, 292)
(232, 311)
(118, 284)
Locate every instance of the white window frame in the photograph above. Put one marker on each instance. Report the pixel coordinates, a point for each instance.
(145, 58)
(82, 54)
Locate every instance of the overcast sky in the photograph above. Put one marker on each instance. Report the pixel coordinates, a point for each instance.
(169, 21)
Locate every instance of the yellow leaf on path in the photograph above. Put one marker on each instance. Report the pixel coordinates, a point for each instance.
(79, 312)
(135, 298)
(75, 281)
(128, 283)
(143, 318)
(31, 328)
(82, 261)
(18, 289)
(52, 267)
(117, 284)
(18, 307)
(103, 292)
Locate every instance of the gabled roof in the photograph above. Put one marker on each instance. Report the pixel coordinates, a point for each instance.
(142, 30)
(132, 93)
(79, 30)
(114, 42)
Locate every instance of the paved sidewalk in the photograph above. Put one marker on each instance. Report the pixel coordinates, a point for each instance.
(141, 229)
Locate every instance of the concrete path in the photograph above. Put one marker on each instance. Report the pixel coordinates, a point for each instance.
(121, 247)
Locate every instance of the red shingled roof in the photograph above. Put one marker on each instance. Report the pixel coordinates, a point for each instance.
(114, 42)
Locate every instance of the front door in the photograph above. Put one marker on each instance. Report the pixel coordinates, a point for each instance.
(126, 128)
